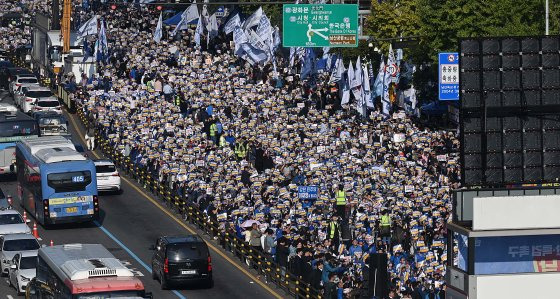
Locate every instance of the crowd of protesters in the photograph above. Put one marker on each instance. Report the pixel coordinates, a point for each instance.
(237, 140)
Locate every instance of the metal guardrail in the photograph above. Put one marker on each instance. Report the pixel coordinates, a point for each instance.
(189, 212)
(66, 98)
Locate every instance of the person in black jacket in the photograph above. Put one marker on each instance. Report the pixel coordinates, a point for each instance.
(316, 275)
(330, 288)
(282, 252)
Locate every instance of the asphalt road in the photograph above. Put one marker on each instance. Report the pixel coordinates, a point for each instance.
(129, 224)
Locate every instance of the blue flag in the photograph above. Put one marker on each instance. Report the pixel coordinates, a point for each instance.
(308, 63)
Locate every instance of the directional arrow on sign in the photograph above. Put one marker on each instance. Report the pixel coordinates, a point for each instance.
(317, 31)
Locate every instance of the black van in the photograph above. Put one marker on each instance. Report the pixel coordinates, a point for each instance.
(181, 259)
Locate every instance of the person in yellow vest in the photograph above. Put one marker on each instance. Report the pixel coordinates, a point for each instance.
(214, 132)
(150, 86)
(333, 231)
(340, 204)
(239, 150)
(385, 227)
(223, 142)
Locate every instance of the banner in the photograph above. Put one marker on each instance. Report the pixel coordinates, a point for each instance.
(517, 254)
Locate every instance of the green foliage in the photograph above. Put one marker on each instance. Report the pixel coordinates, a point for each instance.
(392, 18)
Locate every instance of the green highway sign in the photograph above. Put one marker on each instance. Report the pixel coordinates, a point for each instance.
(320, 25)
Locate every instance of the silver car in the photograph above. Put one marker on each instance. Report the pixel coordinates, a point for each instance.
(12, 244)
(11, 222)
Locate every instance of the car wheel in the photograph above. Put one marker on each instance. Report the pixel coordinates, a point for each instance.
(210, 283)
(164, 284)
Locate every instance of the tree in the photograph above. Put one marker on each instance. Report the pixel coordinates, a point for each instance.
(390, 19)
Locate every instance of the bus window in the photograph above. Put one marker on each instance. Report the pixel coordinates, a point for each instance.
(69, 181)
(19, 128)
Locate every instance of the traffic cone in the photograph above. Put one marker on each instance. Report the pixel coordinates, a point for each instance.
(24, 216)
(52, 243)
(35, 232)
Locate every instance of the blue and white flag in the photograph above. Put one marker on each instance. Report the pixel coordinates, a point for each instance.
(366, 90)
(338, 73)
(370, 92)
(198, 32)
(102, 37)
(239, 38)
(344, 88)
(158, 33)
(357, 75)
(190, 14)
(251, 54)
(378, 84)
(308, 63)
(253, 20)
(233, 22)
(264, 29)
(351, 75)
(276, 40)
(212, 27)
(386, 101)
(88, 28)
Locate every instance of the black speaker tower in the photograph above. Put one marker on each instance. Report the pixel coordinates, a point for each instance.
(378, 276)
(510, 111)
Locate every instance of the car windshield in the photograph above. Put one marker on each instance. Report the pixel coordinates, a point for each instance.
(10, 219)
(20, 245)
(47, 103)
(105, 168)
(184, 251)
(28, 262)
(28, 80)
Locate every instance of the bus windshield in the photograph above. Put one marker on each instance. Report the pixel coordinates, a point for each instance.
(52, 121)
(17, 128)
(115, 294)
(69, 181)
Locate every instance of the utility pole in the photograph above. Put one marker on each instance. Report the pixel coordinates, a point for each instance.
(66, 14)
(546, 17)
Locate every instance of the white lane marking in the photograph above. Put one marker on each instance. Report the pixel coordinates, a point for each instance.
(10, 297)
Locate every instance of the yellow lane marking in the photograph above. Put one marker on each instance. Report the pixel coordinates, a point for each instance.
(181, 223)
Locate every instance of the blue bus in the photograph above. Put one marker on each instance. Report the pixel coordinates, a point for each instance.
(56, 184)
(14, 126)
